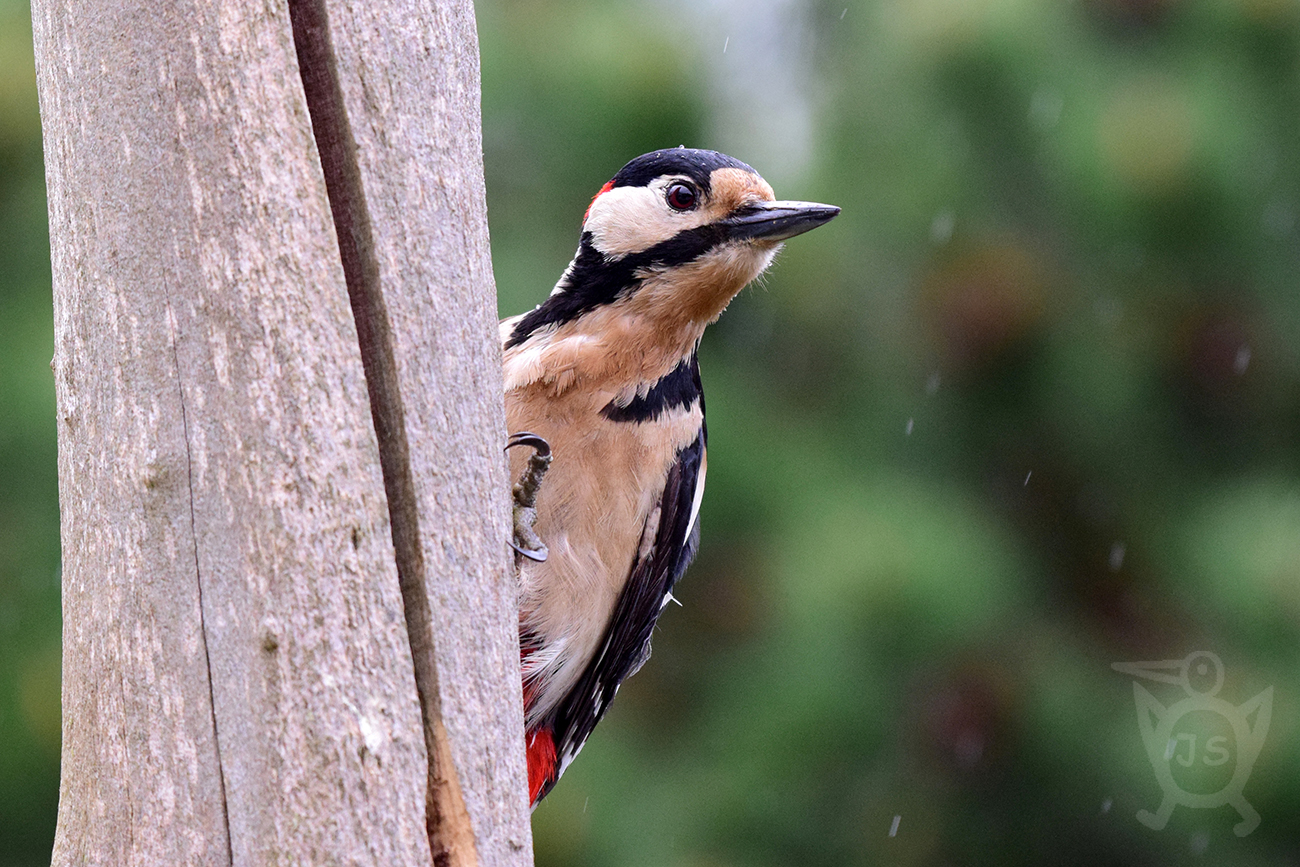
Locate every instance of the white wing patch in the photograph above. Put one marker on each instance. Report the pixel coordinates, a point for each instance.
(699, 494)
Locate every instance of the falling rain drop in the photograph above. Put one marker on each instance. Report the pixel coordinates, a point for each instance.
(941, 227)
(1242, 361)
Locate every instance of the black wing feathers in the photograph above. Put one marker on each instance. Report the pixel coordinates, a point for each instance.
(626, 643)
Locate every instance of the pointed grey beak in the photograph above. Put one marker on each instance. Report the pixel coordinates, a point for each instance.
(776, 221)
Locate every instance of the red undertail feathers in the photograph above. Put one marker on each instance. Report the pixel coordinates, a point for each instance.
(541, 763)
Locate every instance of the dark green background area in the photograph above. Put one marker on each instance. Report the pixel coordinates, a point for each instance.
(1029, 407)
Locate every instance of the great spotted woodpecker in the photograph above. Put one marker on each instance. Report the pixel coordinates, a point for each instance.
(604, 373)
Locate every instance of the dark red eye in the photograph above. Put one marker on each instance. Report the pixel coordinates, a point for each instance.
(681, 197)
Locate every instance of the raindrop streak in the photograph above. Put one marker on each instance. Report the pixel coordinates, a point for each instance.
(725, 43)
(1027, 475)
(1116, 556)
(893, 826)
(908, 431)
(1242, 361)
(941, 227)
(1105, 805)
(932, 384)
(845, 12)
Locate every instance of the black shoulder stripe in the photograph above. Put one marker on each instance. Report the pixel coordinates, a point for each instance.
(601, 282)
(677, 389)
(626, 643)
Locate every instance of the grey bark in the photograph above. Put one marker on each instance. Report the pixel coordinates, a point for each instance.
(273, 615)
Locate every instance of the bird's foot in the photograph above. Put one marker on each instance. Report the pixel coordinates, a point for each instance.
(523, 495)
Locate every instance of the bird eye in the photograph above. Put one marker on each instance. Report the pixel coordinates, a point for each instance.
(681, 197)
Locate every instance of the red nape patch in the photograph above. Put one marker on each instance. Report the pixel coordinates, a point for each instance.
(603, 190)
(541, 763)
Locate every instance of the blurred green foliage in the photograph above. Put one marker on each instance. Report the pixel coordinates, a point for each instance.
(29, 508)
(1029, 407)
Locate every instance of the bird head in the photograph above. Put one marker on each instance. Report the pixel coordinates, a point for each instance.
(695, 201)
(671, 239)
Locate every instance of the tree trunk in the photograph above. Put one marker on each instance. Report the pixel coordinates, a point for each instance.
(289, 621)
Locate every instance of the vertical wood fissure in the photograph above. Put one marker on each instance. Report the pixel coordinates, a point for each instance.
(198, 574)
(337, 149)
(238, 678)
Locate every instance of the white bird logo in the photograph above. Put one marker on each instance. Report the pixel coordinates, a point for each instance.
(1200, 675)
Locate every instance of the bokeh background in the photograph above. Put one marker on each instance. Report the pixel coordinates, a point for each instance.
(1028, 408)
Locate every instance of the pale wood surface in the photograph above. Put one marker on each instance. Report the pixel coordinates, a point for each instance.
(426, 204)
(239, 685)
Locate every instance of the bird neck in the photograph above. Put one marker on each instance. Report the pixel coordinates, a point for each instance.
(611, 348)
(618, 328)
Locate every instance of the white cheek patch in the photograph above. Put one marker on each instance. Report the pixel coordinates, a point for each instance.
(631, 219)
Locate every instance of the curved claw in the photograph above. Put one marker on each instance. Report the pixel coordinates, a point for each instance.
(537, 556)
(526, 542)
(528, 438)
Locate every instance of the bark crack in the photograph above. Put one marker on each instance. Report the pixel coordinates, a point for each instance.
(445, 818)
(198, 577)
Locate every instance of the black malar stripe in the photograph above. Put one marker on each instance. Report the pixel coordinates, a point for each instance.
(593, 279)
